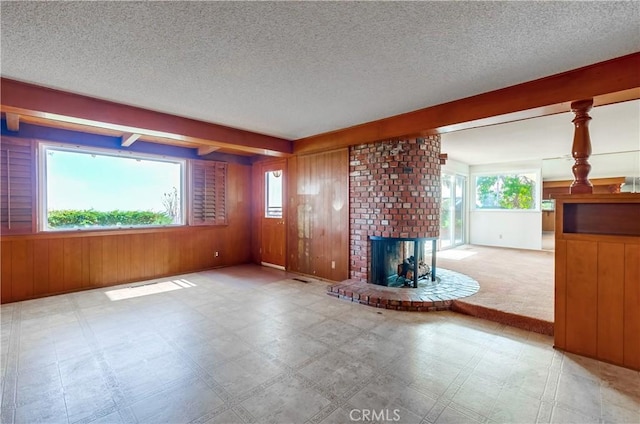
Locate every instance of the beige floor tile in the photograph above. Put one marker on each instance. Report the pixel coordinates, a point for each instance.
(581, 394)
(343, 415)
(287, 401)
(453, 416)
(245, 373)
(263, 332)
(148, 376)
(180, 403)
(529, 380)
(562, 415)
(45, 411)
(87, 397)
(513, 407)
(295, 349)
(478, 394)
(226, 417)
(337, 372)
(612, 413)
(203, 354)
(389, 393)
(300, 318)
(333, 332)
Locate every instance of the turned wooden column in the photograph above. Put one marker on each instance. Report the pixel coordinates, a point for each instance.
(581, 149)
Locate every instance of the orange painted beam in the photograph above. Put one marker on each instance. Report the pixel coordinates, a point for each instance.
(41, 102)
(545, 96)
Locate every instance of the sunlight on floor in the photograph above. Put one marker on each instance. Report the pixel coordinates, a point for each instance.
(455, 254)
(147, 289)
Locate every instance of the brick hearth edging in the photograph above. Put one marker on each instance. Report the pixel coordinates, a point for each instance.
(426, 298)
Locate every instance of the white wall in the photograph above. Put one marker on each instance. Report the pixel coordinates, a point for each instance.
(455, 167)
(515, 229)
(503, 228)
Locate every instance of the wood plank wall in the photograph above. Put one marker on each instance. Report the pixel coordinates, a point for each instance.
(598, 299)
(597, 279)
(43, 264)
(318, 215)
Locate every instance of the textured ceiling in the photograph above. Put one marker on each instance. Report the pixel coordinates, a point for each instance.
(293, 69)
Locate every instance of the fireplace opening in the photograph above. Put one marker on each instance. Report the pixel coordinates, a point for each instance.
(402, 262)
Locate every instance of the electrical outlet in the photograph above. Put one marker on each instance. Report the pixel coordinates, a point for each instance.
(333, 264)
(217, 253)
(500, 236)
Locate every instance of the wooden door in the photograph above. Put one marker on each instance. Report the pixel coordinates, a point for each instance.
(272, 216)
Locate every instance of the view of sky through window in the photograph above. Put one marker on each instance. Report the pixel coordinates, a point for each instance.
(80, 180)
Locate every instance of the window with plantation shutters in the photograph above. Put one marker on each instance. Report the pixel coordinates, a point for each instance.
(208, 193)
(17, 186)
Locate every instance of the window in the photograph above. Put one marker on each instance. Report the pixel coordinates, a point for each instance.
(515, 191)
(548, 205)
(273, 194)
(94, 189)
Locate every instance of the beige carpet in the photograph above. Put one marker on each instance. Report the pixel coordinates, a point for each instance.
(514, 284)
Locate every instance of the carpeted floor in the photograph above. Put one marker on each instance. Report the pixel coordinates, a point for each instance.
(514, 284)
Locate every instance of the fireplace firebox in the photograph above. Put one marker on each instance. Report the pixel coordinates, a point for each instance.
(401, 261)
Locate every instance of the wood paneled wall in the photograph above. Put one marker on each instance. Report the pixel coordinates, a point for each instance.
(48, 263)
(597, 282)
(318, 215)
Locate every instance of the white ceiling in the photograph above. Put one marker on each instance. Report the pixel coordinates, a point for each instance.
(613, 128)
(293, 69)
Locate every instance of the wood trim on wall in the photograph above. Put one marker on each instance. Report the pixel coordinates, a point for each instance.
(600, 186)
(549, 95)
(594, 181)
(73, 109)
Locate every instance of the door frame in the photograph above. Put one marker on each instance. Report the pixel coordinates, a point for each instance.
(453, 176)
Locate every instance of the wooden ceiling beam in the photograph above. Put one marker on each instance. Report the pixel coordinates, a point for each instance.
(202, 151)
(606, 82)
(63, 107)
(128, 139)
(13, 122)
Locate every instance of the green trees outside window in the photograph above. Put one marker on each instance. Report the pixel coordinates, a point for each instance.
(60, 219)
(506, 191)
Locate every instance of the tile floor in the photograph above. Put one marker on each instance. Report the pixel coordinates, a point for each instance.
(251, 345)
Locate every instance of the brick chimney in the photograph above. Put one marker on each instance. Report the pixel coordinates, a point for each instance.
(394, 191)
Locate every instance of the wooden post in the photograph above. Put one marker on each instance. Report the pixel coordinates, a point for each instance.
(581, 149)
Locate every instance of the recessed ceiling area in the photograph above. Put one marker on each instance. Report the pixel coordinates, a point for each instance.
(614, 128)
(294, 69)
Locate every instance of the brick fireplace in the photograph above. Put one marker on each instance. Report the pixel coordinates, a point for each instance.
(394, 191)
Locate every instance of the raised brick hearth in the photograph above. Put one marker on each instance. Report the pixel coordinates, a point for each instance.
(394, 190)
(429, 296)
